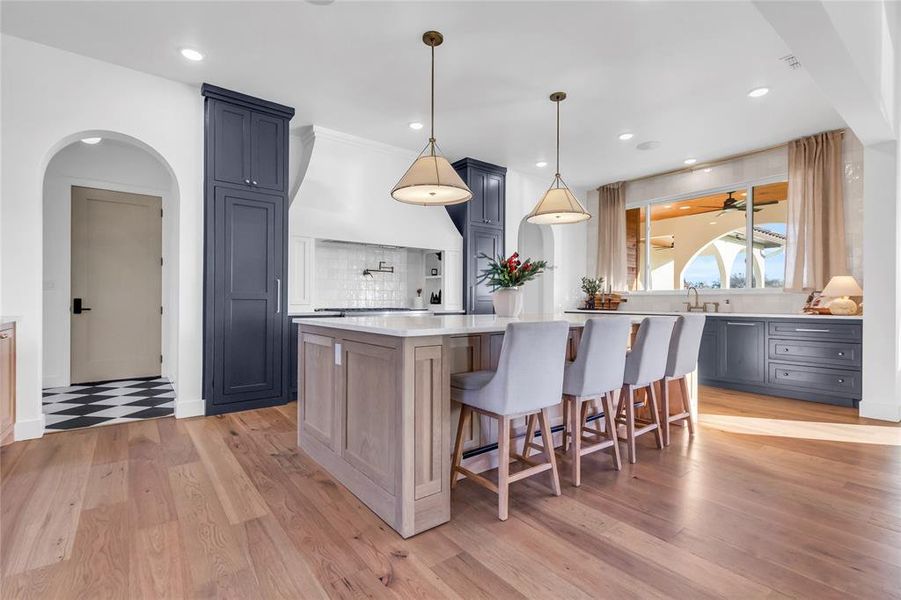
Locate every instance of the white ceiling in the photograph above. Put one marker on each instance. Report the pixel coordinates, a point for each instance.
(676, 72)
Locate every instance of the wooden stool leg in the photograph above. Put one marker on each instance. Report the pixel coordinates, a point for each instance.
(610, 419)
(465, 413)
(564, 435)
(529, 437)
(575, 414)
(549, 450)
(629, 399)
(686, 405)
(503, 467)
(655, 415)
(664, 410)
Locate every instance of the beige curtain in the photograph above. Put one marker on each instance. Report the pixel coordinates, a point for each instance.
(612, 234)
(815, 232)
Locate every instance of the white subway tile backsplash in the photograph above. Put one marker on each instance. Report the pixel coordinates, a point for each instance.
(340, 281)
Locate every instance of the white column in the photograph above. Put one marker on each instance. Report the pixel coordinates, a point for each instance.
(882, 300)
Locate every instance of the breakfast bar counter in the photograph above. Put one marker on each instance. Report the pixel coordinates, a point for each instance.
(374, 405)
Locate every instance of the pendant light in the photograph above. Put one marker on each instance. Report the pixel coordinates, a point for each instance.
(558, 205)
(431, 180)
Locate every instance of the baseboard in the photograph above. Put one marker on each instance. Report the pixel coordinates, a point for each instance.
(54, 382)
(880, 410)
(189, 408)
(29, 430)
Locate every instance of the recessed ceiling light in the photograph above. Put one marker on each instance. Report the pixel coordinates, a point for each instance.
(684, 207)
(713, 222)
(91, 140)
(541, 164)
(191, 54)
(416, 125)
(667, 206)
(758, 92)
(690, 161)
(708, 169)
(626, 136)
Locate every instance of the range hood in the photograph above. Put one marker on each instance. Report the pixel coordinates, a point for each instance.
(343, 192)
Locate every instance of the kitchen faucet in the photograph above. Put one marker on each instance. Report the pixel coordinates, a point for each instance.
(697, 306)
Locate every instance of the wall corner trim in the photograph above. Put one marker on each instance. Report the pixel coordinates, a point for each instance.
(29, 430)
(189, 408)
(883, 411)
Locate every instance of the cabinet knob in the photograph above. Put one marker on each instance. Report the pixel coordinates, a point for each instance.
(841, 380)
(247, 181)
(4, 336)
(841, 353)
(253, 182)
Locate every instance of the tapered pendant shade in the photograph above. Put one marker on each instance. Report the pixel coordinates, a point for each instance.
(558, 206)
(431, 181)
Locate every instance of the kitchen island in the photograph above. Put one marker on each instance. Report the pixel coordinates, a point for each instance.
(374, 405)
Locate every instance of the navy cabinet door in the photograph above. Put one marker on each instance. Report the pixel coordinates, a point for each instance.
(491, 243)
(707, 356)
(742, 351)
(267, 148)
(476, 183)
(249, 329)
(493, 200)
(231, 143)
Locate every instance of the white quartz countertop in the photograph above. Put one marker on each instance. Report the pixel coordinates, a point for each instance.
(719, 314)
(420, 326)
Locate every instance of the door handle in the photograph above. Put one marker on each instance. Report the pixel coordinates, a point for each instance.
(253, 183)
(247, 181)
(78, 306)
(740, 323)
(278, 291)
(809, 330)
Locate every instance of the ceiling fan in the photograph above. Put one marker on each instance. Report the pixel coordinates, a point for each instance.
(731, 203)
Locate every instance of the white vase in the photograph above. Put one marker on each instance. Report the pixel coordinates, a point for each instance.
(507, 302)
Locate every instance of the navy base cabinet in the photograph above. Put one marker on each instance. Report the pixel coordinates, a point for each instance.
(246, 330)
(816, 359)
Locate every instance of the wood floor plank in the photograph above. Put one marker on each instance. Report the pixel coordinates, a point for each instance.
(230, 507)
(236, 492)
(207, 535)
(158, 563)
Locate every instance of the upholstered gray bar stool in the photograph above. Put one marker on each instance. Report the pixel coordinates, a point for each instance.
(595, 375)
(528, 380)
(645, 366)
(684, 347)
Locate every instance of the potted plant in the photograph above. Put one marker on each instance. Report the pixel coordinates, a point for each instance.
(591, 286)
(505, 276)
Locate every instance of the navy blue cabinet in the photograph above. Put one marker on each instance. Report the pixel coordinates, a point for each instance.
(246, 329)
(809, 359)
(481, 223)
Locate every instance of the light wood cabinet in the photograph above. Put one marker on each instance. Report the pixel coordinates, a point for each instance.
(7, 382)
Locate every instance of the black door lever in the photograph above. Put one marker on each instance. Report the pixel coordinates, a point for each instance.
(77, 307)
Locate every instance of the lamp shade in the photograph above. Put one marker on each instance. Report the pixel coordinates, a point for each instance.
(558, 206)
(431, 181)
(842, 285)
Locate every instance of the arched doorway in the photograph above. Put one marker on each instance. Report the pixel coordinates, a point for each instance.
(537, 242)
(110, 203)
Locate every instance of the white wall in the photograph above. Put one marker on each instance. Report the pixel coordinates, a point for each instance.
(50, 98)
(111, 165)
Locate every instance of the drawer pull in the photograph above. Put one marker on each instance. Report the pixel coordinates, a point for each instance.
(807, 330)
(740, 323)
(840, 380)
(785, 374)
(841, 353)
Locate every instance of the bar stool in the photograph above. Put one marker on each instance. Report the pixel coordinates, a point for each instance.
(645, 365)
(684, 347)
(596, 374)
(527, 381)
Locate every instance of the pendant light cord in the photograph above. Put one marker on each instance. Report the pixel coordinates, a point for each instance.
(432, 125)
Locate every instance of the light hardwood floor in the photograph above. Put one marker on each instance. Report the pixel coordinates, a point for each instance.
(229, 507)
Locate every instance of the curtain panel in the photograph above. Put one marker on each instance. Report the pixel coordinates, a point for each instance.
(612, 234)
(815, 228)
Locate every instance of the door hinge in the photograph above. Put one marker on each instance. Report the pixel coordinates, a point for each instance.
(161, 358)
(161, 310)
(161, 213)
(161, 261)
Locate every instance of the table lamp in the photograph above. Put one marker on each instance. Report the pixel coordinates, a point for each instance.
(840, 287)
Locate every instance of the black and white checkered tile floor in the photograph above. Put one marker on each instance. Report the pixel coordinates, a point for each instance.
(107, 403)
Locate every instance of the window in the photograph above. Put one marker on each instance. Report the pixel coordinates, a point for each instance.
(711, 241)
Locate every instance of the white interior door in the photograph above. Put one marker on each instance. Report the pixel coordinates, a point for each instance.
(117, 279)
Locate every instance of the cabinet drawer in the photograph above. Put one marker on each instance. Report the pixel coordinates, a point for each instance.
(814, 329)
(845, 354)
(836, 382)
